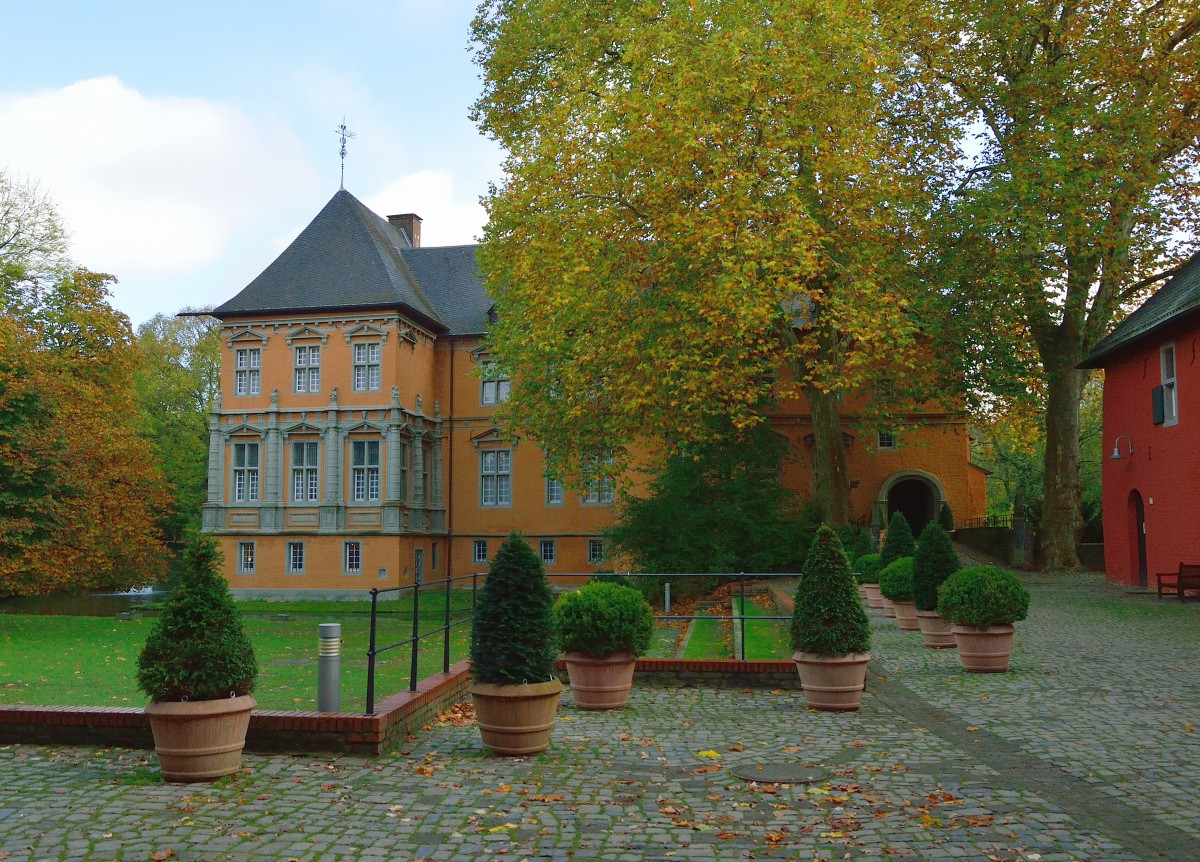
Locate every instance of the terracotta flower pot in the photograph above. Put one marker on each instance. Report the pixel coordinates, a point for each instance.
(984, 650)
(906, 616)
(600, 682)
(516, 719)
(833, 683)
(874, 597)
(201, 739)
(889, 608)
(936, 630)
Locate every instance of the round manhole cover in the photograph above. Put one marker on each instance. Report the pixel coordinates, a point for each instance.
(780, 773)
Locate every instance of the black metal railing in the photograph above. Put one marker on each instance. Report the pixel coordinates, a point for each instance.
(737, 619)
(1005, 521)
(445, 587)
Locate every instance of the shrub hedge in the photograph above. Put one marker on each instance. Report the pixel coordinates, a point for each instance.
(983, 596)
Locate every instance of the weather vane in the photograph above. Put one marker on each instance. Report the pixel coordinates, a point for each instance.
(345, 133)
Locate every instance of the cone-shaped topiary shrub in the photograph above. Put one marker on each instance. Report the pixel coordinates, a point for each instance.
(946, 517)
(899, 542)
(934, 561)
(856, 541)
(896, 580)
(983, 596)
(866, 568)
(198, 649)
(514, 640)
(599, 619)
(828, 618)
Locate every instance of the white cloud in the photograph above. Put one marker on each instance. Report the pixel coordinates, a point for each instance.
(449, 216)
(151, 186)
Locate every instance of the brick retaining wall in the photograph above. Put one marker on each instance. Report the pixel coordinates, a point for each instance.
(270, 730)
(395, 718)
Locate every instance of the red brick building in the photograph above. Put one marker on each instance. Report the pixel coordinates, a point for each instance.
(1151, 469)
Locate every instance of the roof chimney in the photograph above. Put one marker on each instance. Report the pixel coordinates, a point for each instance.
(410, 223)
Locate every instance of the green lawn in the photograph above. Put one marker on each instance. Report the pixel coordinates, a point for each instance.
(710, 639)
(766, 639)
(91, 661)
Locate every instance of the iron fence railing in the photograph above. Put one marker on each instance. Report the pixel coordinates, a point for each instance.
(1005, 521)
(446, 587)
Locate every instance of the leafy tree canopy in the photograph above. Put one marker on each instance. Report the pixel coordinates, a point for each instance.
(176, 387)
(1084, 194)
(697, 194)
(85, 489)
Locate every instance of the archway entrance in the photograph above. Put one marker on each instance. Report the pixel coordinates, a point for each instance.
(917, 499)
(1137, 538)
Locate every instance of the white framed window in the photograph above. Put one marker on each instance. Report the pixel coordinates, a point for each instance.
(479, 551)
(367, 375)
(295, 558)
(352, 558)
(305, 472)
(886, 440)
(247, 371)
(495, 477)
(554, 492)
(308, 369)
(245, 558)
(595, 551)
(495, 387)
(1166, 356)
(549, 552)
(245, 472)
(364, 470)
(601, 491)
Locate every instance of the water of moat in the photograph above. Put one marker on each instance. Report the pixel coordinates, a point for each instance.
(102, 605)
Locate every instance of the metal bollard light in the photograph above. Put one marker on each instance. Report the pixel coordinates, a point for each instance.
(329, 667)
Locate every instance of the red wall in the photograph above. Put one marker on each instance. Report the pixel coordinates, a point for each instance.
(1165, 466)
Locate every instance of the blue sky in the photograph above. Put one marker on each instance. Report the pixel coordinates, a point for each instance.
(187, 144)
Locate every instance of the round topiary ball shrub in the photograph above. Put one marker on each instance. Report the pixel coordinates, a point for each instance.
(828, 618)
(599, 619)
(896, 580)
(514, 639)
(866, 568)
(198, 648)
(899, 541)
(934, 561)
(983, 596)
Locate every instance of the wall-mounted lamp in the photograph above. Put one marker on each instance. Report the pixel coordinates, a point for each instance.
(1116, 455)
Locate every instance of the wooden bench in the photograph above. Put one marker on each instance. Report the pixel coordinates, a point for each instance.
(1187, 578)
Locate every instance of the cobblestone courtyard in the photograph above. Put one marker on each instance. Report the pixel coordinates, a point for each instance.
(1084, 751)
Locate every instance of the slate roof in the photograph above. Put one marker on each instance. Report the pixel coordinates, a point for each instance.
(1178, 297)
(349, 257)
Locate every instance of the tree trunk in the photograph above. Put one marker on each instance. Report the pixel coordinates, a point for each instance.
(1062, 521)
(831, 468)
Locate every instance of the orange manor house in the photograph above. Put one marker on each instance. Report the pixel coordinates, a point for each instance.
(353, 446)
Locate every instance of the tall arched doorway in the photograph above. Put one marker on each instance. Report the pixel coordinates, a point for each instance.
(916, 500)
(1137, 538)
(919, 495)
